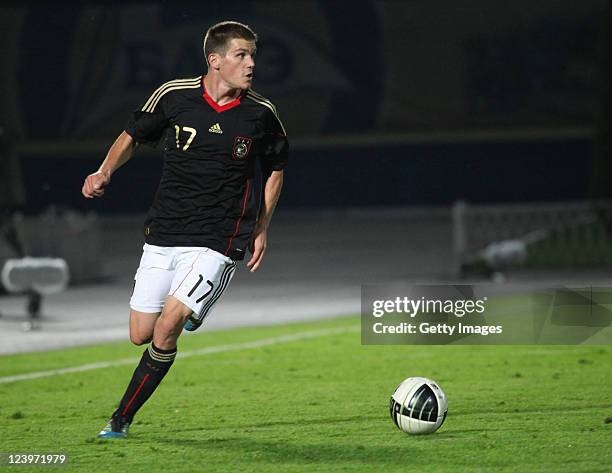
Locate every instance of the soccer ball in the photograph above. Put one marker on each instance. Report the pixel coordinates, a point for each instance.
(418, 406)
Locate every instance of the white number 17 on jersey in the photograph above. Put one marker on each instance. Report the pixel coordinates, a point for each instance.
(192, 132)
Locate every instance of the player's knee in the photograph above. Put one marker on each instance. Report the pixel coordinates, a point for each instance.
(167, 331)
(139, 339)
(168, 328)
(141, 326)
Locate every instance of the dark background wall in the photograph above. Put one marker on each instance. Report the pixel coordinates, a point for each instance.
(486, 101)
(428, 174)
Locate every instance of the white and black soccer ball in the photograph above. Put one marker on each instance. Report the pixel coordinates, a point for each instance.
(418, 406)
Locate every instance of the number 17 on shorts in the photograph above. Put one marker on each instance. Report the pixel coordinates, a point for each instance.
(204, 283)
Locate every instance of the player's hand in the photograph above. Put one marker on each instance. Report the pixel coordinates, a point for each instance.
(94, 184)
(258, 248)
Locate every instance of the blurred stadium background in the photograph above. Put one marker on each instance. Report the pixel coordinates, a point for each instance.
(431, 141)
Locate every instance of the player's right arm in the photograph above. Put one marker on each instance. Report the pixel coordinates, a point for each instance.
(146, 125)
(118, 154)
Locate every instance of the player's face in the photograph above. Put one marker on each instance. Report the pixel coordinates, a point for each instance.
(236, 67)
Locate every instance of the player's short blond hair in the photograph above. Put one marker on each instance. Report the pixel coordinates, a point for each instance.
(218, 36)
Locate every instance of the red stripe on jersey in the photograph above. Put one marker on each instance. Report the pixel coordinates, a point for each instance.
(246, 194)
(219, 108)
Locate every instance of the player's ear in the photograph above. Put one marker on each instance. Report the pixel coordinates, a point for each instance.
(214, 61)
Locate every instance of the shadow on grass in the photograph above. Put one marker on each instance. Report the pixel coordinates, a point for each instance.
(300, 452)
(521, 409)
(395, 449)
(296, 423)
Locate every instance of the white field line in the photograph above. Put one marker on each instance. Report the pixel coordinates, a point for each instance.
(187, 354)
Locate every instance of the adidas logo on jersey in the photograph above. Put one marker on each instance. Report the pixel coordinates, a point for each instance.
(216, 128)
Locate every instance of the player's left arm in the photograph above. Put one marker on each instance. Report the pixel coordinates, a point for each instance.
(259, 241)
(273, 159)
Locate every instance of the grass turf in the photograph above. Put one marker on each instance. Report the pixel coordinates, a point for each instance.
(318, 404)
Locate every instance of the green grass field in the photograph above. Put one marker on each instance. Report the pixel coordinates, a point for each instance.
(317, 404)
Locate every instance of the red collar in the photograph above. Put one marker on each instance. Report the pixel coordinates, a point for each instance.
(215, 105)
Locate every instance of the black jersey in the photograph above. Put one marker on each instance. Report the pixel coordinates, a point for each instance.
(206, 195)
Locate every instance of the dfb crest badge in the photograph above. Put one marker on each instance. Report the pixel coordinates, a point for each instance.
(242, 146)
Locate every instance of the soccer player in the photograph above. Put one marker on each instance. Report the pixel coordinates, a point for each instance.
(216, 134)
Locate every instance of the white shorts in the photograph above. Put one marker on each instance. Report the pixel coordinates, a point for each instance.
(196, 276)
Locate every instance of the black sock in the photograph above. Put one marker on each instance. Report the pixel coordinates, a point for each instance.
(152, 368)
